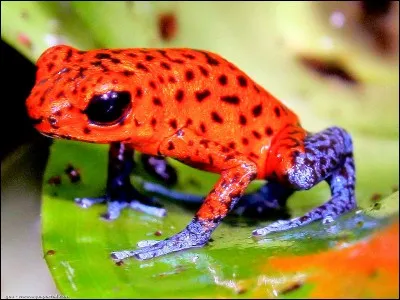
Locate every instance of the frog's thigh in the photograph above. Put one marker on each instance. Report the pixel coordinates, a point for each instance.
(327, 155)
(197, 151)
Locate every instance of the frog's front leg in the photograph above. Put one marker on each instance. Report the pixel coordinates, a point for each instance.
(327, 155)
(119, 191)
(159, 168)
(236, 174)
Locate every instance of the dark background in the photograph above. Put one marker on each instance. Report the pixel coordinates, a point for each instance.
(17, 80)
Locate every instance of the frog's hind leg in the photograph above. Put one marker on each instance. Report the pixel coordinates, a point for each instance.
(269, 201)
(119, 191)
(327, 155)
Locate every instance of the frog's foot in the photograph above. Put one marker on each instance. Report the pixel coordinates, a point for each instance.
(116, 205)
(159, 168)
(120, 193)
(113, 210)
(327, 212)
(193, 236)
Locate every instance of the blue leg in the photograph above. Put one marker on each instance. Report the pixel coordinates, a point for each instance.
(328, 156)
(119, 191)
(269, 201)
(159, 168)
(193, 236)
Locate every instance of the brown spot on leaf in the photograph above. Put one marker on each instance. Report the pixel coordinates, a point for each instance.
(329, 69)
(167, 26)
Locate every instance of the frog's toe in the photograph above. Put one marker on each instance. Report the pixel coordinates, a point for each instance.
(260, 232)
(88, 202)
(150, 249)
(280, 225)
(146, 243)
(120, 255)
(145, 251)
(148, 209)
(114, 209)
(117, 204)
(142, 254)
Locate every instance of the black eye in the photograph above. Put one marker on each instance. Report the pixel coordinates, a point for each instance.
(109, 108)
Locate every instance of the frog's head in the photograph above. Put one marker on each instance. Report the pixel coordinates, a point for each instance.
(86, 96)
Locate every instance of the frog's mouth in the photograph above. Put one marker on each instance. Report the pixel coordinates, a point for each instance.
(36, 121)
(59, 136)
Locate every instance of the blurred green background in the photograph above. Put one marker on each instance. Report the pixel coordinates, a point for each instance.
(333, 63)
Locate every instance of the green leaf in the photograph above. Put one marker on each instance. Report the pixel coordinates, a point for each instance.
(266, 40)
(77, 243)
(33, 26)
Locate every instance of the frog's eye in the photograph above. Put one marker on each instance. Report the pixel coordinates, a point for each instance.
(109, 108)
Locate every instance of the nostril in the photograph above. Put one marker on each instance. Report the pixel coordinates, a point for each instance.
(329, 69)
(53, 122)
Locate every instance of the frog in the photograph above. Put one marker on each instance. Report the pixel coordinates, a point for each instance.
(198, 108)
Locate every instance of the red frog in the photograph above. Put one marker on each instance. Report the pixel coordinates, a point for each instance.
(196, 107)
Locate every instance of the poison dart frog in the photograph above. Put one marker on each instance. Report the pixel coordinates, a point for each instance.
(200, 109)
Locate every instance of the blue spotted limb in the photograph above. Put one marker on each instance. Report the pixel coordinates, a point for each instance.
(327, 155)
(120, 193)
